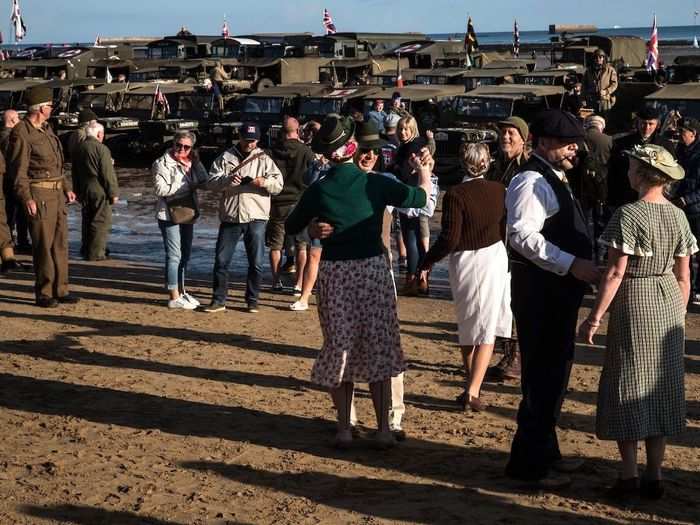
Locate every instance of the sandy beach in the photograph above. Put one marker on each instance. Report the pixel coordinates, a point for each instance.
(119, 411)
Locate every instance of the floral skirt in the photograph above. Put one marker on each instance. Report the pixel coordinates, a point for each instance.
(357, 311)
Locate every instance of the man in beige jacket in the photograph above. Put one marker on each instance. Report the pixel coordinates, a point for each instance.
(246, 177)
(600, 84)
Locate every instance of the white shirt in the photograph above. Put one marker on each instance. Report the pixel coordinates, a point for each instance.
(530, 200)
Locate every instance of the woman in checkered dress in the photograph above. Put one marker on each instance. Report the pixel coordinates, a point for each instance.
(641, 393)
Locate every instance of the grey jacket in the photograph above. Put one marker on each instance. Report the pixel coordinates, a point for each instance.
(171, 178)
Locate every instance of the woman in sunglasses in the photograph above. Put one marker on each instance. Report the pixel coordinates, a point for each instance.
(177, 174)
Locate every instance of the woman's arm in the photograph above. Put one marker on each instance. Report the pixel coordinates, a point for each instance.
(681, 269)
(609, 284)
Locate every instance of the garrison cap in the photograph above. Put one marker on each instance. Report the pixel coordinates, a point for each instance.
(38, 95)
(86, 115)
(558, 124)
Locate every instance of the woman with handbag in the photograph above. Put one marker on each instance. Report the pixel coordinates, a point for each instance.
(176, 176)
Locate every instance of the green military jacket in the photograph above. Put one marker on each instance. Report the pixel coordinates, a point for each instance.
(93, 170)
(34, 154)
(503, 170)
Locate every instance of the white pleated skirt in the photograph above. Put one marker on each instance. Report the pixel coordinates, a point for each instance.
(480, 285)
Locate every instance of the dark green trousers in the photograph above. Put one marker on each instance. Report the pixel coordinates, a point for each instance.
(96, 224)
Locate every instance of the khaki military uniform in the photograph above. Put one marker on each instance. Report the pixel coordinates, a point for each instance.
(6, 250)
(95, 184)
(74, 140)
(14, 214)
(35, 165)
(599, 85)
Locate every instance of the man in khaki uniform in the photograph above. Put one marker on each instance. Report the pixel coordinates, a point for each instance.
(35, 160)
(95, 184)
(7, 252)
(600, 84)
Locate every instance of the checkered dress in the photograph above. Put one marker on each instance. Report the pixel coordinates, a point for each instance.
(641, 392)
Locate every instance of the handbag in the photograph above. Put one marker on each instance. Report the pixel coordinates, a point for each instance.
(183, 208)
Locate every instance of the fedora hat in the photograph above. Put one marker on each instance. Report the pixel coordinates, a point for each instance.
(658, 158)
(367, 136)
(335, 132)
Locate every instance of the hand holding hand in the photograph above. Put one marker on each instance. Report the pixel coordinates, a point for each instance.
(423, 161)
(320, 230)
(585, 270)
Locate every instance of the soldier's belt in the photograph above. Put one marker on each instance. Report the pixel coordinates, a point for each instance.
(47, 185)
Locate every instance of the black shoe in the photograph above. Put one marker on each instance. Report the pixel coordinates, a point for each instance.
(399, 434)
(69, 299)
(623, 490)
(651, 489)
(44, 301)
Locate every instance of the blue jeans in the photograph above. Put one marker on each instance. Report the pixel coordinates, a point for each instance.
(254, 240)
(177, 239)
(410, 229)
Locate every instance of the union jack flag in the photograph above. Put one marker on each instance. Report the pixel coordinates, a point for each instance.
(653, 49)
(224, 29)
(160, 100)
(328, 23)
(516, 39)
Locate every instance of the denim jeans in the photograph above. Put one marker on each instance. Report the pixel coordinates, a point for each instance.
(410, 229)
(177, 239)
(254, 240)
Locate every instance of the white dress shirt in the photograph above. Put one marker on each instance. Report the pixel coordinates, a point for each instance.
(530, 200)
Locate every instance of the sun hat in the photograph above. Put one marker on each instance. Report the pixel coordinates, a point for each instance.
(658, 158)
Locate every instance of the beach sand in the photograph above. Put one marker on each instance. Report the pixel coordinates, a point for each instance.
(119, 411)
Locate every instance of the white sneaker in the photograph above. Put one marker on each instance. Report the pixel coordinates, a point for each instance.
(191, 299)
(182, 303)
(298, 306)
(297, 291)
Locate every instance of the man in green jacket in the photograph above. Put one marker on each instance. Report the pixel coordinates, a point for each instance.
(95, 184)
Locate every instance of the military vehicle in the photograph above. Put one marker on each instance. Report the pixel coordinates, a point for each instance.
(358, 45)
(269, 106)
(473, 117)
(548, 77)
(66, 96)
(48, 62)
(622, 51)
(358, 71)
(469, 78)
(315, 106)
(425, 103)
(267, 72)
(12, 93)
(683, 98)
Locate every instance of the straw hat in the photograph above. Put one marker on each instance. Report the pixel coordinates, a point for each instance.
(658, 158)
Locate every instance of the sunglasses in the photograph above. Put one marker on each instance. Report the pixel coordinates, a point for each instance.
(183, 147)
(366, 151)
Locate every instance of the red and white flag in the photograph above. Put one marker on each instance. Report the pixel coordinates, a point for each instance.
(160, 100)
(17, 22)
(652, 62)
(98, 42)
(399, 77)
(328, 24)
(225, 30)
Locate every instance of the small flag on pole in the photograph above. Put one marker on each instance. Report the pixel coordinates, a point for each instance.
(328, 23)
(652, 62)
(17, 22)
(516, 39)
(399, 77)
(224, 29)
(98, 42)
(160, 100)
(108, 76)
(471, 44)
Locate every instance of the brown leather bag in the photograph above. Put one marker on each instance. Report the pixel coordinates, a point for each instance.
(183, 208)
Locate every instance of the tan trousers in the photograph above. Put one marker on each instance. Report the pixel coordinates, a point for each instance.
(397, 406)
(49, 231)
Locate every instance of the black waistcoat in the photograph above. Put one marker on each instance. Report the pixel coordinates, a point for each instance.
(565, 229)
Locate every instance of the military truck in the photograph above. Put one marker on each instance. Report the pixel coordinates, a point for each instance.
(12, 93)
(683, 98)
(474, 117)
(622, 51)
(425, 103)
(469, 78)
(267, 72)
(548, 77)
(316, 106)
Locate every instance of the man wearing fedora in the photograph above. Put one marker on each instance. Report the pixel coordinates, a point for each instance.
(551, 266)
(245, 177)
(35, 160)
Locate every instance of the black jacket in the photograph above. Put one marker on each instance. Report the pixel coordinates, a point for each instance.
(293, 158)
(689, 187)
(619, 190)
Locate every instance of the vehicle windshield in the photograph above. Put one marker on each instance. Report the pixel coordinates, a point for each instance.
(137, 106)
(92, 101)
(535, 81)
(263, 105)
(195, 103)
(473, 107)
(144, 76)
(429, 79)
(687, 108)
(319, 106)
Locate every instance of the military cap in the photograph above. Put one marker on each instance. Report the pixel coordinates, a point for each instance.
(658, 158)
(517, 123)
(335, 132)
(86, 115)
(648, 113)
(557, 123)
(690, 124)
(38, 95)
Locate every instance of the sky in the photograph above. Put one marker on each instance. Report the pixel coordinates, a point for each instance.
(82, 20)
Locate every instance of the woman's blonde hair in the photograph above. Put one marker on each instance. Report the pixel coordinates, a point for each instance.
(410, 124)
(475, 159)
(650, 175)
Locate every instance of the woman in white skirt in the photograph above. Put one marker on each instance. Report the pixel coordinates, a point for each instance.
(473, 222)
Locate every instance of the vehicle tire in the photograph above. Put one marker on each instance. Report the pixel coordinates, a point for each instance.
(262, 84)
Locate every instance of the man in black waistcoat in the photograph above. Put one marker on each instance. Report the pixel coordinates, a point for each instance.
(551, 251)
